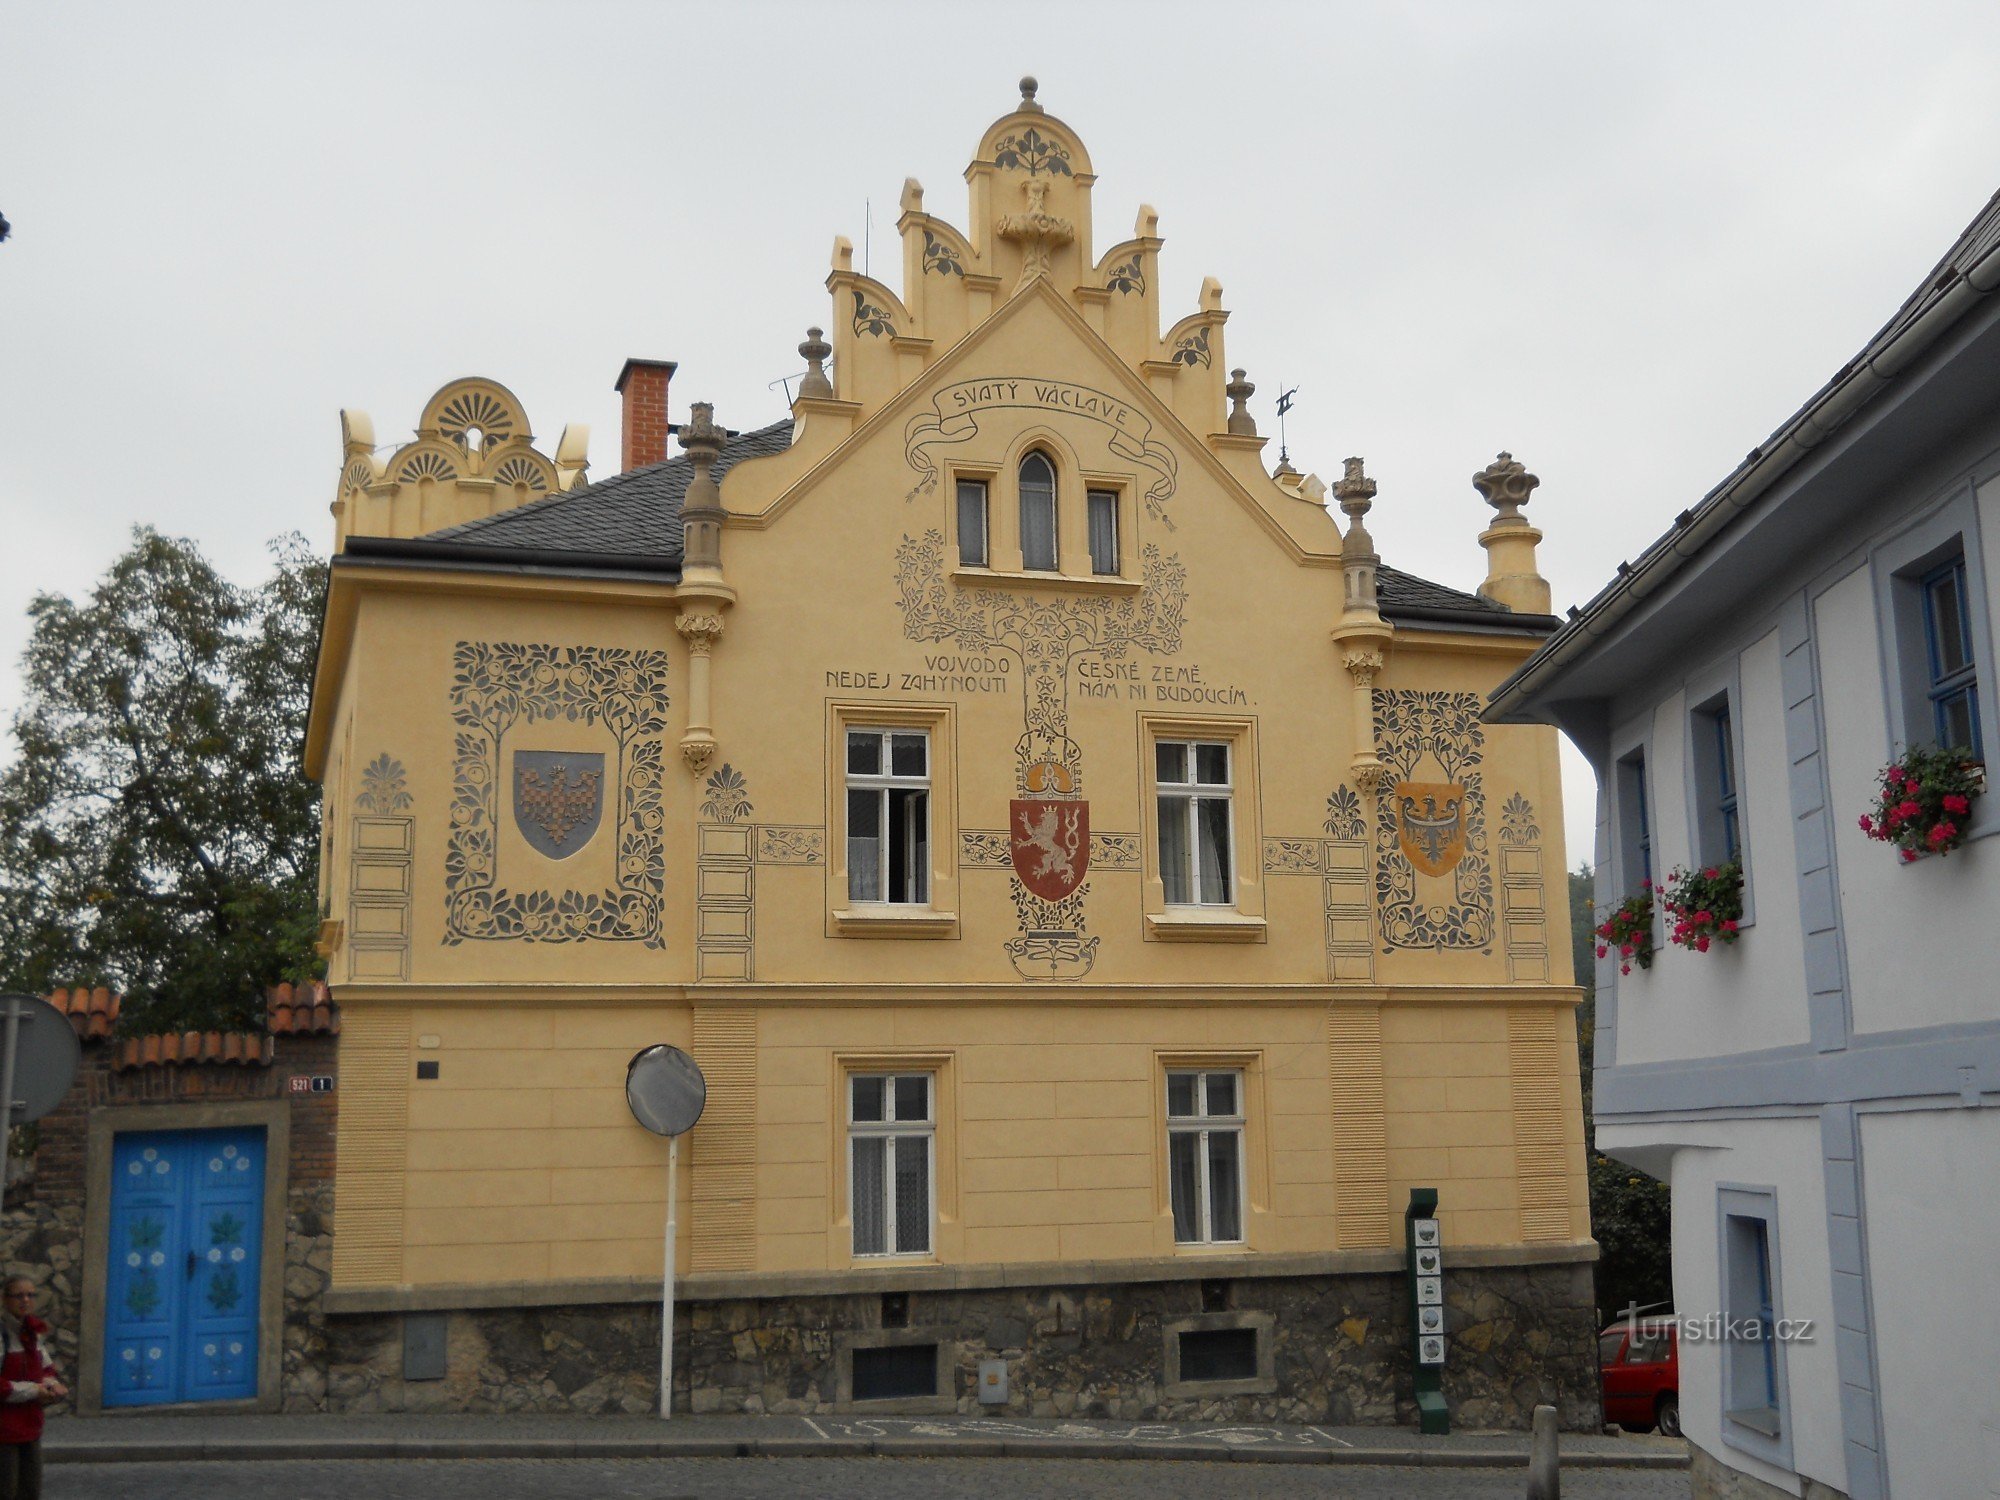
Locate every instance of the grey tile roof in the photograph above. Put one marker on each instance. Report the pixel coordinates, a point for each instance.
(637, 512)
(1396, 590)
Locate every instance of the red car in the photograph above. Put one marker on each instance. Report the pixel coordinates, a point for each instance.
(1642, 1374)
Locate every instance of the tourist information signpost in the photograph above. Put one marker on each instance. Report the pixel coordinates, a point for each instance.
(1425, 1246)
(666, 1092)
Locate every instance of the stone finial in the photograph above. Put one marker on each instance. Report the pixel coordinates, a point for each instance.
(1506, 485)
(701, 440)
(1355, 490)
(1512, 576)
(701, 506)
(1028, 106)
(815, 351)
(1239, 390)
(1356, 493)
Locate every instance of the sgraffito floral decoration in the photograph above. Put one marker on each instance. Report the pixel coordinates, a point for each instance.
(1924, 801)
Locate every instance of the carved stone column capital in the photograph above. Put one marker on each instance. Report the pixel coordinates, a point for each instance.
(1370, 777)
(700, 631)
(1362, 666)
(697, 753)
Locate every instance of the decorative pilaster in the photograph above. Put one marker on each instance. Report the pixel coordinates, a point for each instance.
(703, 593)
(701, 631)
(1362, 634)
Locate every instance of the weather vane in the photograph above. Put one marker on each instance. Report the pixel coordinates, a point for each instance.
(1284, 405)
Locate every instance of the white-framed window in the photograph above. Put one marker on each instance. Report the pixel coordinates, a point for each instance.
(973, 548)
(1037, 483)
(888, 815)
(1102, 515)
(1192, 782)
(1205, 1117)
(892, 1183)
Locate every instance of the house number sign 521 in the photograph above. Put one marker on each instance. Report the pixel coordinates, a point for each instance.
(318, 1083)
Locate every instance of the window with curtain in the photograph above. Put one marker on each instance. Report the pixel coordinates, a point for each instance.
(972, 523)
(1205, 1155)
(1193, 786)
(888, 815)
(1038, 513)
(891, 1122)
(1103, 513)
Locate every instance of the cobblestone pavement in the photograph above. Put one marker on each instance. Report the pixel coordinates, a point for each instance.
(831, 1478)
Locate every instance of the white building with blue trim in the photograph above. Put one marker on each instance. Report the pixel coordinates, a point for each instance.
(1821, 1092)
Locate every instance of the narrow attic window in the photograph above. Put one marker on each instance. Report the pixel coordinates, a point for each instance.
(1038, 513)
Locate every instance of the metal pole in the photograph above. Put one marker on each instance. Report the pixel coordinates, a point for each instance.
(7, 1073)
(667, 1284)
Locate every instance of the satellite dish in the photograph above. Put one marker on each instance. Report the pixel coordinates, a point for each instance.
(45, 1055)
(665, 1089)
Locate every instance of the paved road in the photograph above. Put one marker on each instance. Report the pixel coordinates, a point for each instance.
(831, 1478)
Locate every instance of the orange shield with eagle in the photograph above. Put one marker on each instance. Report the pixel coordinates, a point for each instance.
(1430, 824)
(1049, 838)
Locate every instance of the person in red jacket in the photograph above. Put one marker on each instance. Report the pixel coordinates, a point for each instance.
(27, 1383)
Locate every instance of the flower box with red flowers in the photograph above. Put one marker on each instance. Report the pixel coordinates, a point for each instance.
(1923, 802)
(1704, 906)
(1629, 929)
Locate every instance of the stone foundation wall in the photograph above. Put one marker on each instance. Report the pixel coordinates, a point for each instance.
(1711, 1479)
(1339, 1352)
(44, 1242)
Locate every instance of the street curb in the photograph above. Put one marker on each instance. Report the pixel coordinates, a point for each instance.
(271, 1450)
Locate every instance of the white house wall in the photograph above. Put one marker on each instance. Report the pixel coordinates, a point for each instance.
(1840, 1053)
(1927, 1169)
(1904, 970)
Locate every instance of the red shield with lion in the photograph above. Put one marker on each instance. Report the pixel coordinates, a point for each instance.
(1049, 838)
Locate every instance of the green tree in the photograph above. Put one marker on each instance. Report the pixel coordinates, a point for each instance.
(1629, 1211)
(157, 834)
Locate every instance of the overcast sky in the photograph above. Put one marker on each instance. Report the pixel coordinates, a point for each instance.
(1623, 241)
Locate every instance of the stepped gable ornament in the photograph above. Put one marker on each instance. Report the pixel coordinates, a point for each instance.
(558, 799)
(1038, 232)
(815, 351)
(1239, 391)
(1506, 485)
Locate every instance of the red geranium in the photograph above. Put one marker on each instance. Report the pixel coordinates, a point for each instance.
(1704, 907)
(1924, 801)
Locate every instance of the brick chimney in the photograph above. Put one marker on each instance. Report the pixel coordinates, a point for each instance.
(643, 384)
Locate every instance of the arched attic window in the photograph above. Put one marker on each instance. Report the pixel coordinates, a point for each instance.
(1038, 513)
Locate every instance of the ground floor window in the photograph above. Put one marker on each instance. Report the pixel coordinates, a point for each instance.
(892, 1126)
(1205, 1154)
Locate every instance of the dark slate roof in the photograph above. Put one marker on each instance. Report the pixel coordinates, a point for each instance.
(637, 513)
(1404, 596)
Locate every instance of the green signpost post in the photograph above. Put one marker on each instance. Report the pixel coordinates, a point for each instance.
(1426, 1258)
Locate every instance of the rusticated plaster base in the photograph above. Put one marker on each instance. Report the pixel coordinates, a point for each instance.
(1338, 1351)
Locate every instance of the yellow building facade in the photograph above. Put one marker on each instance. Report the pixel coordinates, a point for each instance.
(1075, 859)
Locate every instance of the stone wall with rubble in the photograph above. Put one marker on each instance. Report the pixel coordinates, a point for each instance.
(1340, 1351)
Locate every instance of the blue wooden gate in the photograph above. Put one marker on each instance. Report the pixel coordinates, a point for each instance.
(187, 1219)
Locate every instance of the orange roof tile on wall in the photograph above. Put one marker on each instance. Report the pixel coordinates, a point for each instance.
(92, 1012)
